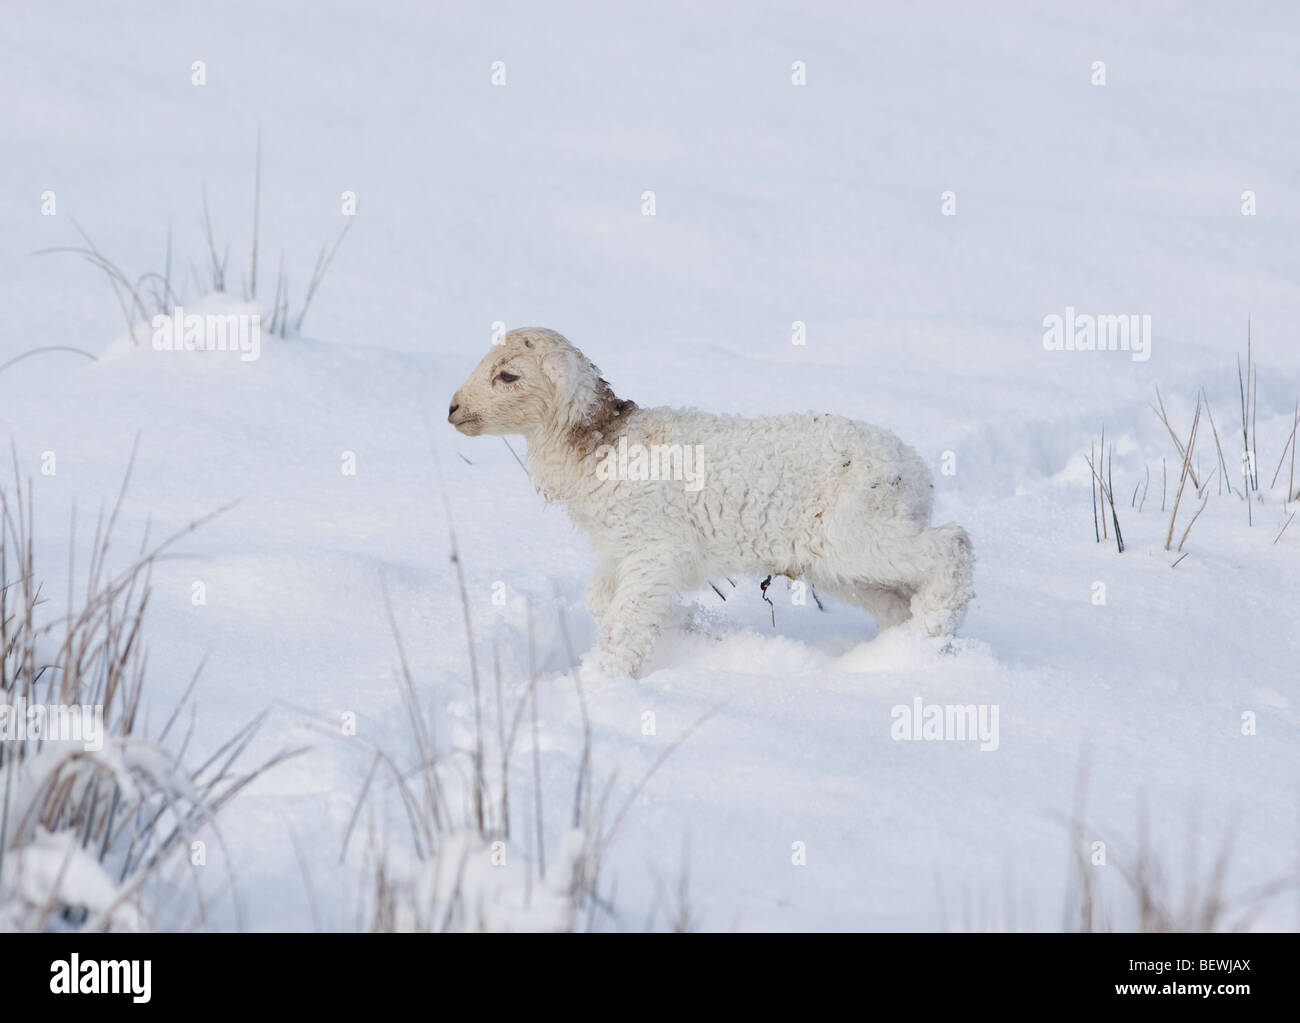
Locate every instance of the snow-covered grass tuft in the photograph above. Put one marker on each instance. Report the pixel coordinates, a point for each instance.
(1132, 883)
(99, 820)
(159, 292)
(477, 858)
(1189, 469)
(1157, 895)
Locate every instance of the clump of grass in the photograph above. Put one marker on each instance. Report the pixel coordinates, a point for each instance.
(1189, 461)
(1146, 900)
(460, 817)
(1105, 487)
(1151, 903)
(155, 292)
(86, 836)
(461, 813)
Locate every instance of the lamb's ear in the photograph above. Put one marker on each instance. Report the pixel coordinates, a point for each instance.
(571, 375)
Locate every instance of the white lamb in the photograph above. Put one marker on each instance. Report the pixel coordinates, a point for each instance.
(840, 504)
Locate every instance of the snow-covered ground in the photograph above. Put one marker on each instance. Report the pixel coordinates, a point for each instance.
(521, 204)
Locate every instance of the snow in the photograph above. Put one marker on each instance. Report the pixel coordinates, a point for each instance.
(774, 204)
(54, 869)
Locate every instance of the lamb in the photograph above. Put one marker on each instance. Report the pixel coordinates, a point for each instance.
(672, 498)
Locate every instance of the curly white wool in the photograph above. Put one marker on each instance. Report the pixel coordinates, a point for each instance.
(672, 498)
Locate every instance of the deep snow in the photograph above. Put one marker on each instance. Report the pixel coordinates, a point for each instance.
(774, 203)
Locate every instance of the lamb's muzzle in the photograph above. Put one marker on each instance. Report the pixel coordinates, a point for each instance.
(841, 504)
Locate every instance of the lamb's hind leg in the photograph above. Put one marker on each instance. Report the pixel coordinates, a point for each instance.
(888, 605)
(929, 568)
(946, 562)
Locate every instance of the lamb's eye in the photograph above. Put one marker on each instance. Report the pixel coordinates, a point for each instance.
(507, 378)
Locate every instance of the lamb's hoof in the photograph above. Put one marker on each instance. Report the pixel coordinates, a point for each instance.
(611, 665)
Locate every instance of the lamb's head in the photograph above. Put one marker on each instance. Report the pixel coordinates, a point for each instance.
(533, 382)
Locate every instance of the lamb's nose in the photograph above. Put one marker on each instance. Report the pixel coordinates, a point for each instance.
(452, 411)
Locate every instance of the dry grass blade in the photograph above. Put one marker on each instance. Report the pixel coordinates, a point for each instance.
(1223, 465)
(1093, 480)
(216, 266)
(257, 211)
(1289, 445)
(47, 348)
(1104, 487)
(1192, 523)
(323, 262)
(1186, 473)
(1110, 496)
(1178, 444)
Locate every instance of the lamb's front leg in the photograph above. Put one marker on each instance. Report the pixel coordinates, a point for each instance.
(600, 589)
(600, 596)
(645, 588)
